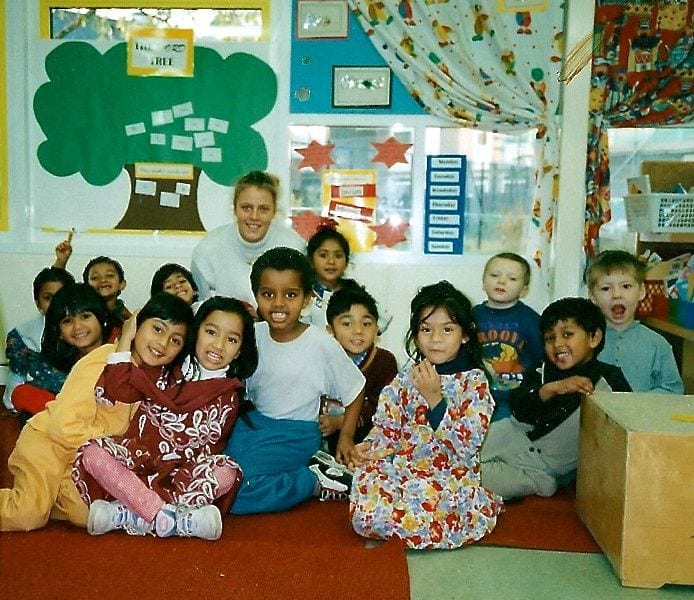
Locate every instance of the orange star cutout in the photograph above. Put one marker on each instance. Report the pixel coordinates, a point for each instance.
(316, 155)
(390, 152)
(388, 234)
(306, 223)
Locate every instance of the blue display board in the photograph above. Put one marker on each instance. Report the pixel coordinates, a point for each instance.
(444, 204)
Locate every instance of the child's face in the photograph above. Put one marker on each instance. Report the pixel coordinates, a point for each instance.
(329, 263)
(104, 278)
(618, 295)
(219, 340)
(281, 299)
(178, 285)
(157, 341)
(439, 337)
(504, 282)
(254, 210)
(46, 293)
(568, 345)
(355, 329)
(82, 331)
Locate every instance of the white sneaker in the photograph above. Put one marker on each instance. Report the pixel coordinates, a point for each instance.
(203, 521)
(106, 516)
(165, 521)
(327, 485)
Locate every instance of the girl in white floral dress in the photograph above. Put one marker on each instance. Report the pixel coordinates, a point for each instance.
(420, 479)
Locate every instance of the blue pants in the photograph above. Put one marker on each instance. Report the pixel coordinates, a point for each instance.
(274, 455)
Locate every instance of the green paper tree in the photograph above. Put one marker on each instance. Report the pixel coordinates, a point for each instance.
(90, 104)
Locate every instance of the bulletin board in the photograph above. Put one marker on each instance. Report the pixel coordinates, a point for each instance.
(126, 153)
(312, 63)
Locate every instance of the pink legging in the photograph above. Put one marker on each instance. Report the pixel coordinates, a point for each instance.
(121, 483)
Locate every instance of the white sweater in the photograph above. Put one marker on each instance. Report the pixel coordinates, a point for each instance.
(221, 263)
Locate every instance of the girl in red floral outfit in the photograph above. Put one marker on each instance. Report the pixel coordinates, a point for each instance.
(167, 470)
(421, 478)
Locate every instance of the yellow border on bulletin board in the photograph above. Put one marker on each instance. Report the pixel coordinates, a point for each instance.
(47, 5)
(4, 187)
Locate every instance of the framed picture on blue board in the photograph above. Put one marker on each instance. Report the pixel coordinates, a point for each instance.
(361, 87)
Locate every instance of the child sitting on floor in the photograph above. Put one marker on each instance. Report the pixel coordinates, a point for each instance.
(77, 322)
(537, 448)
(166, 471)
(420, 481)
(353, 319)
(175, 279)
(298, 363)
(106, 276)
(507, 328)
(23, 344)
(615, 283)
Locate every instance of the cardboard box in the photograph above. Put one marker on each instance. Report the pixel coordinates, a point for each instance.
(635, 484)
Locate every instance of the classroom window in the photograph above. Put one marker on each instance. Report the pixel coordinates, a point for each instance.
(629, 147)
(499, 185)
(352, 149)
(235, 23)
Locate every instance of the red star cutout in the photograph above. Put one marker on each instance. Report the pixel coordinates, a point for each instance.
(316, 155)
(390, 152)
(388, 234)
(306, 223)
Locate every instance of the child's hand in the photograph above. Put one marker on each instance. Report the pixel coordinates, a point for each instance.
(427, 381)
(127, 334)
(575, 383)
(63, 252)
(329, 424)
(350, 455)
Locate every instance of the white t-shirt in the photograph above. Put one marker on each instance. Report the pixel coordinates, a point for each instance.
(292, 376)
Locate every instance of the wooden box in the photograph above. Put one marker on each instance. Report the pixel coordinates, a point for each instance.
(635, 484)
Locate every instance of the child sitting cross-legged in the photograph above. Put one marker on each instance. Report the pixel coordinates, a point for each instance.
(537, 448)
(417, 475)
(165, 475)
(298, 363)
(353, 320)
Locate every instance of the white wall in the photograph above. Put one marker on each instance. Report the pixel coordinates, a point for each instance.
(24, 252)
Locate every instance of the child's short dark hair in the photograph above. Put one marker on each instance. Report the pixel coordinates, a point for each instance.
(246, 362)
(70, 300)
(585, 314)
(611, 261)
(346, 297)
(515, 258)
(283, 259)
(324, 234)
(164, 272)
(48, 275)
(103, 259)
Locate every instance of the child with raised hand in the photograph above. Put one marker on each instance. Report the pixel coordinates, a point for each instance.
(536, 449)
(107, 277)
(615, 282)
(508, 329)
(298, 363)
(420, 478)
(23, 344)
(77, 322)
(166, 472)
(175, 279)
(353, 320)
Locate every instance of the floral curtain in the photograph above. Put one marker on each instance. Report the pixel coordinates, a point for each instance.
(642, 74)
(479, 66)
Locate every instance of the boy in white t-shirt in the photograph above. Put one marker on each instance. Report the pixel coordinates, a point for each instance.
(298, 363)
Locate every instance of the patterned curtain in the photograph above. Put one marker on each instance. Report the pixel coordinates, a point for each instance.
(642, 74)
(480, 67)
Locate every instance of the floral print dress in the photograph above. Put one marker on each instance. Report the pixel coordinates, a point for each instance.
(420, 484)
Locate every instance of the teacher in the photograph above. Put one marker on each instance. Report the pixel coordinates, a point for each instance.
(221, 263)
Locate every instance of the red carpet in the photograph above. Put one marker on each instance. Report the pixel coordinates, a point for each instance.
(308, 552)
(539, 523)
